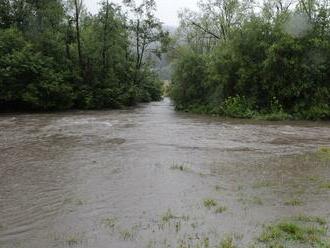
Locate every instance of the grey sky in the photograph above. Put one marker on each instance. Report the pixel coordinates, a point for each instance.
(167, 9)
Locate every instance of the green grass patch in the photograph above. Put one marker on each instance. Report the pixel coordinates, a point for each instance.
(325, 185)
(276, 116)
(325, 150)
(324, 153)
(295, 232)
(313, 178)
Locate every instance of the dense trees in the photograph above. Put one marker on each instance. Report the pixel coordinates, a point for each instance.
(242, 62)
(54, 55)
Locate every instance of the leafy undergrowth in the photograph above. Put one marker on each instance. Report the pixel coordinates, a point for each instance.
(240, 107)
(300, 231)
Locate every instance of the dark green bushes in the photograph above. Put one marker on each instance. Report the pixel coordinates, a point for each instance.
(261, 71)
(28, 79)
(189, 79)
(43, 68)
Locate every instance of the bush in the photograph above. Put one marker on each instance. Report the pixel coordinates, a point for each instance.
(237, 107)
(29, 80)
(189, 80)
(260, 71)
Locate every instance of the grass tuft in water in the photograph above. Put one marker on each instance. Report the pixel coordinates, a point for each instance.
(218, 188)
(220, 209)
(126, 234)
(180, 167)
(311, 219)
(324, 153)
(325, 185)
(293, 202)
(227, 243)
(73, 201)
(168, 216)
(210, 203)
(262, 184)
(255, 200)
(325, 150)
(110, 222)
(73, 240)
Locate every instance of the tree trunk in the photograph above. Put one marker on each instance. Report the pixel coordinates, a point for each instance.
(77, 16)
(137, 52)
(105, 39)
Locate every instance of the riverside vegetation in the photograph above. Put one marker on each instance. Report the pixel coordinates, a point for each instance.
(54, 55)
(236, 59)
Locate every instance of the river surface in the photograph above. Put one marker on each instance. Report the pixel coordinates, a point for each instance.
(140, 177)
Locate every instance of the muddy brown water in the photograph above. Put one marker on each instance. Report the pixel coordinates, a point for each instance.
(138, 177)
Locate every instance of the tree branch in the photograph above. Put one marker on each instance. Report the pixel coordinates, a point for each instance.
(205, 30)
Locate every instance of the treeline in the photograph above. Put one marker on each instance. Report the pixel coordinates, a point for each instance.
(237, 59)
(54, 55)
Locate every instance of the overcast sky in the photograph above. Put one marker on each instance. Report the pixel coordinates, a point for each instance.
(167, 9)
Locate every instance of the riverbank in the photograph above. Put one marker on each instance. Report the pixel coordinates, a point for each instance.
(244, 112)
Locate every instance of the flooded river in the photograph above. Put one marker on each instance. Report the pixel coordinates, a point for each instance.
(151, 177)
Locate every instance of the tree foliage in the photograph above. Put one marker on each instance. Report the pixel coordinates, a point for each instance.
(55, 55)
(275, 61)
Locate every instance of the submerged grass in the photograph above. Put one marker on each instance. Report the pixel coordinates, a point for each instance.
(168, 216)
(297, 232)
(262, 184)
(325, 185)
(110, 222)
(220, 209)
(311, 219)
(126, 234)
(73, 240)
(73, 201)
(255, 200)
(227, 243)
(324, 153)
(210, 203)
(180, 167)
(218, 188)
(294, 202)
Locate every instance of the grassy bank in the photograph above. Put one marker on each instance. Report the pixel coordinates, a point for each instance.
(236, 108)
